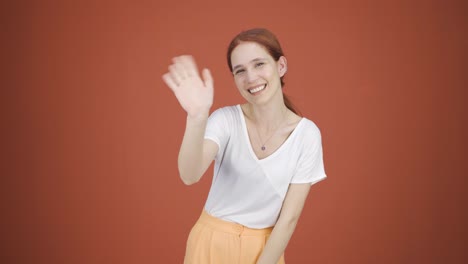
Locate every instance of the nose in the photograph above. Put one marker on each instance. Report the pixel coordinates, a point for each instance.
(250, 77)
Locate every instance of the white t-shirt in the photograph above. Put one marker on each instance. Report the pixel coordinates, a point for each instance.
(250, 191)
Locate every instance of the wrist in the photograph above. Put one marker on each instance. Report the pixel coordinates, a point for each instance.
(200, 116)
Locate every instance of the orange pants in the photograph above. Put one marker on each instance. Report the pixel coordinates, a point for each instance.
(215, 241)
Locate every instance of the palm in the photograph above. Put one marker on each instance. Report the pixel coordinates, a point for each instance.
(194, 94)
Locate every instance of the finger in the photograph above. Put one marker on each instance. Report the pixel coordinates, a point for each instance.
(207, 78)
(179, 67)
(175, 74)
(169, 81)
(189, 65)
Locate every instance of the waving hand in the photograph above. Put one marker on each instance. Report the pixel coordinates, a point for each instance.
(194, 94)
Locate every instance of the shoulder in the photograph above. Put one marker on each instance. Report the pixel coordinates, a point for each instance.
(227, 116)
(226, 111)
(310, 127)
(311, 134)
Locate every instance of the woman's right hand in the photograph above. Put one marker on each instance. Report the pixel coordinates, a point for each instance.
(194, 94)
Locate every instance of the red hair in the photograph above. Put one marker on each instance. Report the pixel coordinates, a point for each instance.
(270, 43)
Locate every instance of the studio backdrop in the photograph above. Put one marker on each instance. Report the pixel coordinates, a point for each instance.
(93, 133)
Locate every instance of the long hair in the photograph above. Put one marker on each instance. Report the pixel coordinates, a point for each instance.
(271, 44)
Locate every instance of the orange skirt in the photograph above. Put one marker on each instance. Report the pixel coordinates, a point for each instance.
(215, 241)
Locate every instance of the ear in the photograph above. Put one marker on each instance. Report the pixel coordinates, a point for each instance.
(282, 64)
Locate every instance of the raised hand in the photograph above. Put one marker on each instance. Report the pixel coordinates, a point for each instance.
(194, 94)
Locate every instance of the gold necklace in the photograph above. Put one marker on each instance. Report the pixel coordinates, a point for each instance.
(263, 148)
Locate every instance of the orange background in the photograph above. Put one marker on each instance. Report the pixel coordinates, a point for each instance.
(92, 133)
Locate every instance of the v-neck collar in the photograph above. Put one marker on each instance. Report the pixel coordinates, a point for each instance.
(249, 143)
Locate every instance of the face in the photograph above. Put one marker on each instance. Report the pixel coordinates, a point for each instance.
(256, 73)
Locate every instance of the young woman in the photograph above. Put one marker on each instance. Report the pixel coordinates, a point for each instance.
(266, 155)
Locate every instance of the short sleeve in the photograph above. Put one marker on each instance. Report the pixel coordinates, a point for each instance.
(217, 130)
(310, 168)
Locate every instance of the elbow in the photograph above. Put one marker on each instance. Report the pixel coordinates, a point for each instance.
(188, 178)
(188, 182)
(290, 222)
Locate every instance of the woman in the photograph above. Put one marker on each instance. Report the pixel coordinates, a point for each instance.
(266, 155)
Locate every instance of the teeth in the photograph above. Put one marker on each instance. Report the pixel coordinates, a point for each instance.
(258, 89)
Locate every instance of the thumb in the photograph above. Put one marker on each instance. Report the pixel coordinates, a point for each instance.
(207, 78)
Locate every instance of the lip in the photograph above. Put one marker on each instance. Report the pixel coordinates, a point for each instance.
(257, 86)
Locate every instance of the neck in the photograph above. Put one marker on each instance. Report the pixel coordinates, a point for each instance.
(267, 117)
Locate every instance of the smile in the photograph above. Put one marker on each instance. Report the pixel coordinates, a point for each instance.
(258, 89)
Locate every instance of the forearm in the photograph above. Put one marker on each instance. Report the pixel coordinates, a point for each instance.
(276, 244)
(191, 150)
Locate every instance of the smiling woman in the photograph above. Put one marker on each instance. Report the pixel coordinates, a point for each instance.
(266, 155)
(270, 43)
(259, 75)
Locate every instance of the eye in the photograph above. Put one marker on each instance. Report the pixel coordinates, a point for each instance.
(259, 64)
(239, 71)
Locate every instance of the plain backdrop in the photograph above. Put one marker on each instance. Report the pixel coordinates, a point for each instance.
(91, 133)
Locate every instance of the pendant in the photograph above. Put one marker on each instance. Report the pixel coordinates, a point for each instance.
(263, 148)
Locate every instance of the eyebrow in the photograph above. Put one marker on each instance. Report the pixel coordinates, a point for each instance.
(254, 60)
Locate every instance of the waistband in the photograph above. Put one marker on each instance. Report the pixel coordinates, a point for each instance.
(230, 227)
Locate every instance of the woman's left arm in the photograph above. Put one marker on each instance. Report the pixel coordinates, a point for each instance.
(284, 228)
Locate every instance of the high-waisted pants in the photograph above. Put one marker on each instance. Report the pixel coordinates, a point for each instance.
(215, 241)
